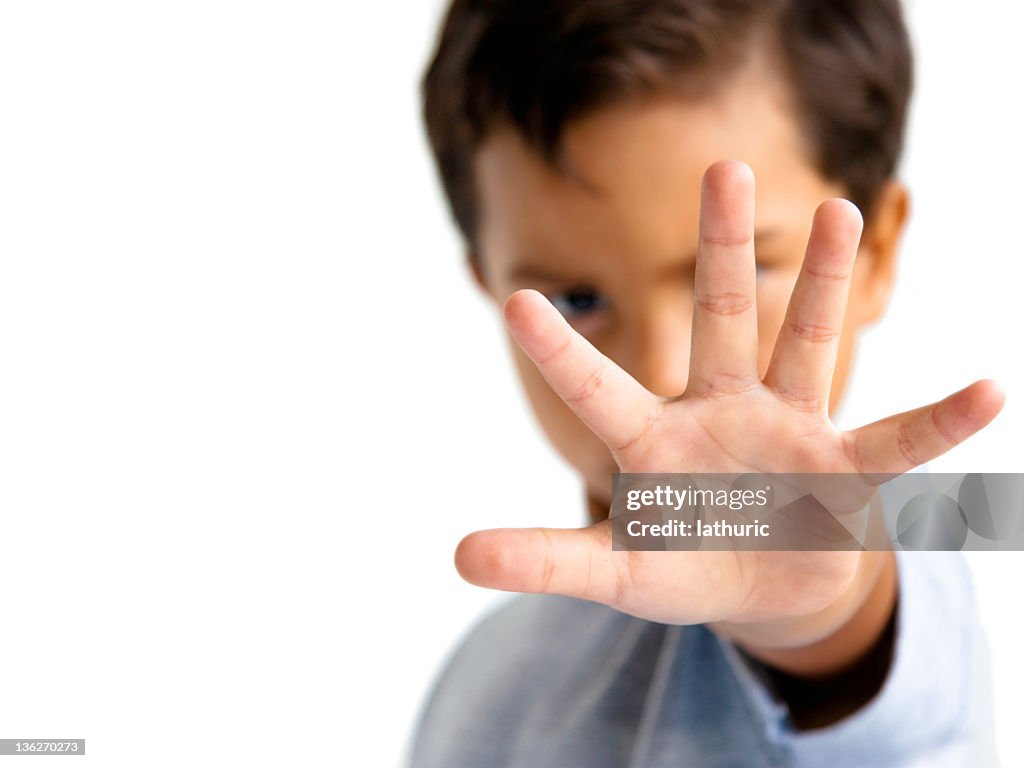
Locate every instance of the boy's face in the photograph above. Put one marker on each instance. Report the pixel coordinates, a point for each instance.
(616, 252)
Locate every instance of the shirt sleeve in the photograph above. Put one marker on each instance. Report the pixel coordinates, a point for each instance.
(934, 707)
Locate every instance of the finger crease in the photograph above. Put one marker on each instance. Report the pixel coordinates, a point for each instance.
(725, 303)
(712, 388)
(906, 445)
(590, 385)
(727, 241)
(809, 400)
(652, 417)
(852, 449)
(549, 562)
(827, 275)
(561, 348)
(813, 333)
(944, 432)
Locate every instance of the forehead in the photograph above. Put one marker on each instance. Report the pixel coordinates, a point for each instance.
(632, 171)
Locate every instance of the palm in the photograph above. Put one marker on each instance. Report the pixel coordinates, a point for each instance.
(728, 420)
(719, 435)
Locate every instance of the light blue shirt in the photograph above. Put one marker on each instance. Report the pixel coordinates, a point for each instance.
(555, 682)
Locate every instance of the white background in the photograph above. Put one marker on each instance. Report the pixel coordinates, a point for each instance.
(250, 401)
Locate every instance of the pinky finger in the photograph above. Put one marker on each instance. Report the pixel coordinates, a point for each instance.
(899, 443)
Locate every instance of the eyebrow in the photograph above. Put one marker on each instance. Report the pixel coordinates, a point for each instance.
(528, 272)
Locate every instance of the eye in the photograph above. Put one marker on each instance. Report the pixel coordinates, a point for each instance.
(578, 302)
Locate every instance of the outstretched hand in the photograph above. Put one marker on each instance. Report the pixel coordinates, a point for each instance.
(729, 420)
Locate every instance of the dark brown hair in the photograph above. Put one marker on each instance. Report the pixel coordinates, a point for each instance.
(539, 64)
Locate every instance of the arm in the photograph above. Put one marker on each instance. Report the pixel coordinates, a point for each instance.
(805, 613)
(829, 678)
(827, 665)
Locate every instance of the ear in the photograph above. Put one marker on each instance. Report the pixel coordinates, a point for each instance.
(879, 247)
(475, 267)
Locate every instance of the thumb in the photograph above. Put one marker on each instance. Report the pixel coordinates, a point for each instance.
(578, 562)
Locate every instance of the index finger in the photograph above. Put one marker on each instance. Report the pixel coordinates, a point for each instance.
(616, 407)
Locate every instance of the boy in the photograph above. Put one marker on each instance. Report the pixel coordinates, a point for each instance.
(600, 160)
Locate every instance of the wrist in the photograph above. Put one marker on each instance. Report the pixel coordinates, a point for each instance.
(833, 638)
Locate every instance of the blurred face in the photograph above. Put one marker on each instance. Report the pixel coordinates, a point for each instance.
(613, 244)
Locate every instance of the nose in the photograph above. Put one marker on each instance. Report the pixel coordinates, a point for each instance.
(659, 349)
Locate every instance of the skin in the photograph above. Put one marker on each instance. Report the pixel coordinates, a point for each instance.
(714, 343)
